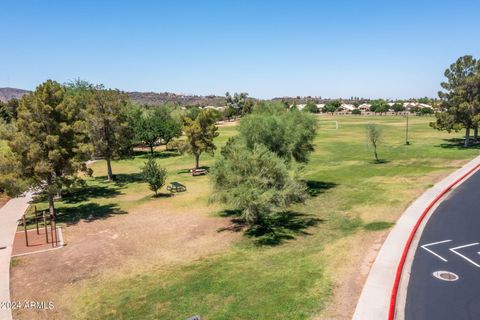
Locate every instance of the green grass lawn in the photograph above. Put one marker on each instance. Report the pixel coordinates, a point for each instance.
(351, 195)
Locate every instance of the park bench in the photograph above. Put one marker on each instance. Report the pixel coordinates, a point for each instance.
(176, 187)
(199, 172)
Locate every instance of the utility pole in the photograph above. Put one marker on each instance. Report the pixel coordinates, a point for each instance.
(406, 133)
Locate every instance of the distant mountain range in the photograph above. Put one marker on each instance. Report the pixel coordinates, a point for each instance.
(141, 98)
(10, 93)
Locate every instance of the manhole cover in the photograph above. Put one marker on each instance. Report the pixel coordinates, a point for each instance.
(445, 275)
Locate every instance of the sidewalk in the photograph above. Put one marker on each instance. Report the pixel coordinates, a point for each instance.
(10, 213)
(374, 301)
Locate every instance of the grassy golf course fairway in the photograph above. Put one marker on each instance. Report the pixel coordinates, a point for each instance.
(174, 257)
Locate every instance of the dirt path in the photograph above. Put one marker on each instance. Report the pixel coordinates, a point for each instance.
(151, 236)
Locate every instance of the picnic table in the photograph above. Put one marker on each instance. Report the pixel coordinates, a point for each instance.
(176, 187)
(199, 172)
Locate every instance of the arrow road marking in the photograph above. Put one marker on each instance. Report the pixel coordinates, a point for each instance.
(435, 254)
(461, 255)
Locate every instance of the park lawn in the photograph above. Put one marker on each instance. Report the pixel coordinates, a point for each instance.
(354, 202)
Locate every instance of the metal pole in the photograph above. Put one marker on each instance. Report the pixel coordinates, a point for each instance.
(36, 219)
(45, 225)
(406, 132)
(25, 229)
(55, 228)
(51, 231)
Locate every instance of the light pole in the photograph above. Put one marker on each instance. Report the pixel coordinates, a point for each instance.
(406, 132)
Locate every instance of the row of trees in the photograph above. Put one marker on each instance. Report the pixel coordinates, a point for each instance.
(460, 98)
(57, 128)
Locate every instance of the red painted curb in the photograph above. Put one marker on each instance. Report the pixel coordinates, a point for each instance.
(393, 297)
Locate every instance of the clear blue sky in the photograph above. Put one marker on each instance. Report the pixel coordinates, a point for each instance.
(331, 48)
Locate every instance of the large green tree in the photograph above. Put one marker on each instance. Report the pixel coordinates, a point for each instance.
(254, 173)
(460, 99)
(287, 133)
(154, 125)
(310, 107)
(256, 182)
(332, 106)
(49, 141)
(109, 129)
(378, 106)
(147, 129)
(200, 133)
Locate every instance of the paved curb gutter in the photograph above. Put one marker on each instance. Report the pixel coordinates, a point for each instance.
(374, 301)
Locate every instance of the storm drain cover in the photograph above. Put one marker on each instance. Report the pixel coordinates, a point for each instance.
(445, 275)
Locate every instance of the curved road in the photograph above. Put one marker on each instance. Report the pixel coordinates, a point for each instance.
(449, 242)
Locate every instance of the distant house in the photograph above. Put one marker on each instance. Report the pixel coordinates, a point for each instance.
(409, 105)
(320, 106)
(346, 107)
(364, 107)
(301, 106)
(424, 105)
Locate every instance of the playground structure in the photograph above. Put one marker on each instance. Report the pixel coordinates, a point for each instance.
(44, 237)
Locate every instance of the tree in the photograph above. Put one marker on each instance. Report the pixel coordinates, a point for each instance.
(48, 143)
(109, 129)
(229, 112)
(426, 111)
(379, 106)
(237, 101)
(332, 106)
(192, 112)
(398, 107)
(460, 99)
(8, 110)
(255, 181)
(147, 128)
(200, 133)
(287, 133)
(154, 175)
(170, 129)
(310, 107)
(4, 114)
(374, 136)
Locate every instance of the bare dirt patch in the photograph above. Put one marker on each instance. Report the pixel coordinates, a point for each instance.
(152, 235)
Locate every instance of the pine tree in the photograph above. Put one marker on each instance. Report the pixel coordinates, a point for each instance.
(200, 134)
(48, 143)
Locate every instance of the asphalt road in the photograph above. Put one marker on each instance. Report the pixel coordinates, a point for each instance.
(450, 242)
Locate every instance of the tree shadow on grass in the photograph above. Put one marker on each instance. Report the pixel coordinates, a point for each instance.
(145, 154)
(276, 229)
(89, 192)
(314, 188)
(122, 179)
(87, 212)
(379, 161)
(458, 143)
(162, 195)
